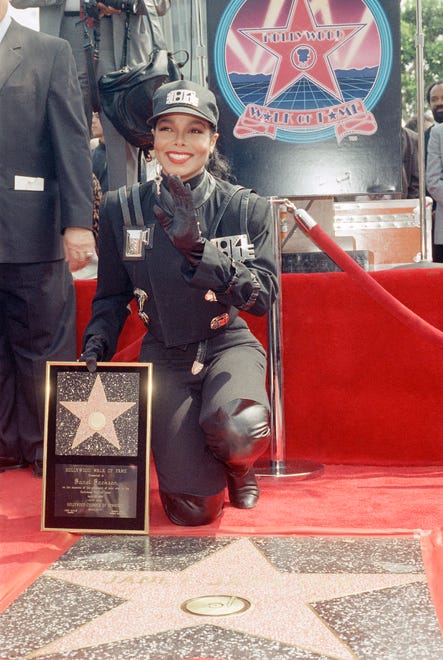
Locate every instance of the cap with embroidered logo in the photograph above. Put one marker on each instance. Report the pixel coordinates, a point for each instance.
(186, 97)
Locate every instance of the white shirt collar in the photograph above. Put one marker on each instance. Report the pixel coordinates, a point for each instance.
(5, 23)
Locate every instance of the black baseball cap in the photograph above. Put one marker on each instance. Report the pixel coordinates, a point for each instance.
(186, 97)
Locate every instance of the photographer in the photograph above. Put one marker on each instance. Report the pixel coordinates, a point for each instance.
(62, 19)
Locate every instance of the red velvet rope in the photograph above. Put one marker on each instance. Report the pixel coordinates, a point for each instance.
(371, 286)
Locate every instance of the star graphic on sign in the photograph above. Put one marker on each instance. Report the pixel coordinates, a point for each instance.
(302, 48)
(97, 415)
(281, 602)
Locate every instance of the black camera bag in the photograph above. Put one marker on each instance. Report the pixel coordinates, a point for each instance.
(126, 94)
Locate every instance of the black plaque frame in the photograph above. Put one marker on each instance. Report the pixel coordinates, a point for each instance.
(97, 448)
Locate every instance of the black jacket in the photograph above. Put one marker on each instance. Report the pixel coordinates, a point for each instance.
(177, 304)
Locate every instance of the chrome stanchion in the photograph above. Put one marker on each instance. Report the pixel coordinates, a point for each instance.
(278, 465)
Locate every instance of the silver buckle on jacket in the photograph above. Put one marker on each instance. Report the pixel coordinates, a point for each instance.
(141, 297)
(199, 361)
(219, 321)
(136, 241)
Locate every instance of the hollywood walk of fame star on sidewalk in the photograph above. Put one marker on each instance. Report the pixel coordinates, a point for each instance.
(281, 602)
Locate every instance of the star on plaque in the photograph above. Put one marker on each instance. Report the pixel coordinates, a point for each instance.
(97, 415)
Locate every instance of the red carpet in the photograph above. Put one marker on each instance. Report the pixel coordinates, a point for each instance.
(345, 500)
(25, 551)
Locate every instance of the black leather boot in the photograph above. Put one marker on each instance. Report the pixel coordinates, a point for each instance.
(238, 433)
(243, 490)
(192, 510)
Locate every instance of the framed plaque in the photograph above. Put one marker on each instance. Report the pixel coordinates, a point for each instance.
(97, 448)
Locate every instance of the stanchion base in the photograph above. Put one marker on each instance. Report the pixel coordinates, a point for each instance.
(296, 469)
(423, 263)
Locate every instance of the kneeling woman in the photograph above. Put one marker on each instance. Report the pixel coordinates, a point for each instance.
(209, 255)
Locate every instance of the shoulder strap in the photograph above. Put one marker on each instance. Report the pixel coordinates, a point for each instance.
(244, 204)
(123, 199)
(132, 215)
(224, 205)
(91, 58)
(136, 201)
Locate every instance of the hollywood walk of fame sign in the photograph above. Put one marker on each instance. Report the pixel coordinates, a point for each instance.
(96, 449)
(309, 94)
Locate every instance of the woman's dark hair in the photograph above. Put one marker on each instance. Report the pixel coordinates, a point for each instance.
(220, 167)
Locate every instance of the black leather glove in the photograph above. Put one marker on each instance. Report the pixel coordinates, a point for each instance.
(93, 352)
(180, 220)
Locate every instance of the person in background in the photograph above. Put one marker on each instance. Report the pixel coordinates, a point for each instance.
(45, 226)
(99, 162)
(428, 121)
(61, 18)
(97, 196)
(410, 174)
(434, 184)
(434, 97)
(210, 256)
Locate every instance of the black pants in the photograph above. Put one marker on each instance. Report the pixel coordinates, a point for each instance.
(437, 253)
(235, 368)
(71, 30)
(37, 323)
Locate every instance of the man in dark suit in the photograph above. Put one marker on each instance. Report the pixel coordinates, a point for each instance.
(45, 226)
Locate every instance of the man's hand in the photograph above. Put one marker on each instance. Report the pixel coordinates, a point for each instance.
(79, 247)
(182, 228)
(105, 10)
